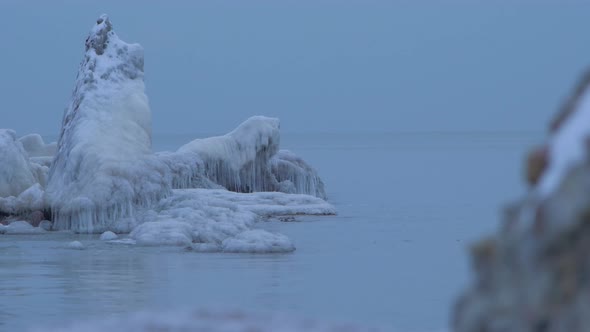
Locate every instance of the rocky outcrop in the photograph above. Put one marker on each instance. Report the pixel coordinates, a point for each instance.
(534, 274)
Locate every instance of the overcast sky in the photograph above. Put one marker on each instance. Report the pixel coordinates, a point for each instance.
(317, 65)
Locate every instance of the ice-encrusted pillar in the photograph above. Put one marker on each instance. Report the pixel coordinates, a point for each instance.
(104, 169)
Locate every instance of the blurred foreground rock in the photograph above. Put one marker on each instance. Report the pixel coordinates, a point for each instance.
(534, 274)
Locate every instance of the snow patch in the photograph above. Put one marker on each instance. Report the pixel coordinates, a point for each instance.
(568, 145)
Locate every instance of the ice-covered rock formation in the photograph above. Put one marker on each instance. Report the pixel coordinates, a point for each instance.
(294, 175)
(248, 160)
(39, 152)
(20, 180)
(16, 172)
(534, 274)
(239, 161)
(104, 176)
(104, 167)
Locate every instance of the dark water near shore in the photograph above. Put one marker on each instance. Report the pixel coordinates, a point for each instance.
(409, 204)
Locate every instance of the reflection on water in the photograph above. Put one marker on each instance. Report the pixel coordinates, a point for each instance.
(395, 255)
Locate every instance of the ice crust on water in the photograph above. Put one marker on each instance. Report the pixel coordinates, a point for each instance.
(104, 176)
(221, 220)
(20, 227)
(207, 320)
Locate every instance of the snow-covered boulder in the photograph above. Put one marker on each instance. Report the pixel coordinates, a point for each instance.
(534, 274)
(104, 167)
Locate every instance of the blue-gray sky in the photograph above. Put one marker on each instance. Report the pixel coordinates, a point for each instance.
(317, 65)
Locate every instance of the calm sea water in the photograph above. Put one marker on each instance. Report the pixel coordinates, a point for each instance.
(395, 256)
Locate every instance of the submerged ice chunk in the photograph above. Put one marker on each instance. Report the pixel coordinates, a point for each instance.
(258, 241)
(77, 245)
(108, 236)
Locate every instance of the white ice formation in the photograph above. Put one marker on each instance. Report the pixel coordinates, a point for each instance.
(221, 220)
(38, 151)
(104, 169)
(20, 180)
(248, 160)
(104, 177)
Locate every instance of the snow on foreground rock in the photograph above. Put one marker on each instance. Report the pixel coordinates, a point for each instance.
(204, 320)
(534, 274)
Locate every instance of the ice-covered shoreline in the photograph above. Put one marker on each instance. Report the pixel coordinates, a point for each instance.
(102, 174)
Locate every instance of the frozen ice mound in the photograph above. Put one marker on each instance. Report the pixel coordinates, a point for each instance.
(40, 154)
(238, 161)
(294, 175)
(36, 147)
(248, 160)
(206, 320)
(16, 172)
(104, 168)
(103, 175)
(20, 180)
(20, 227)
(221, 220)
